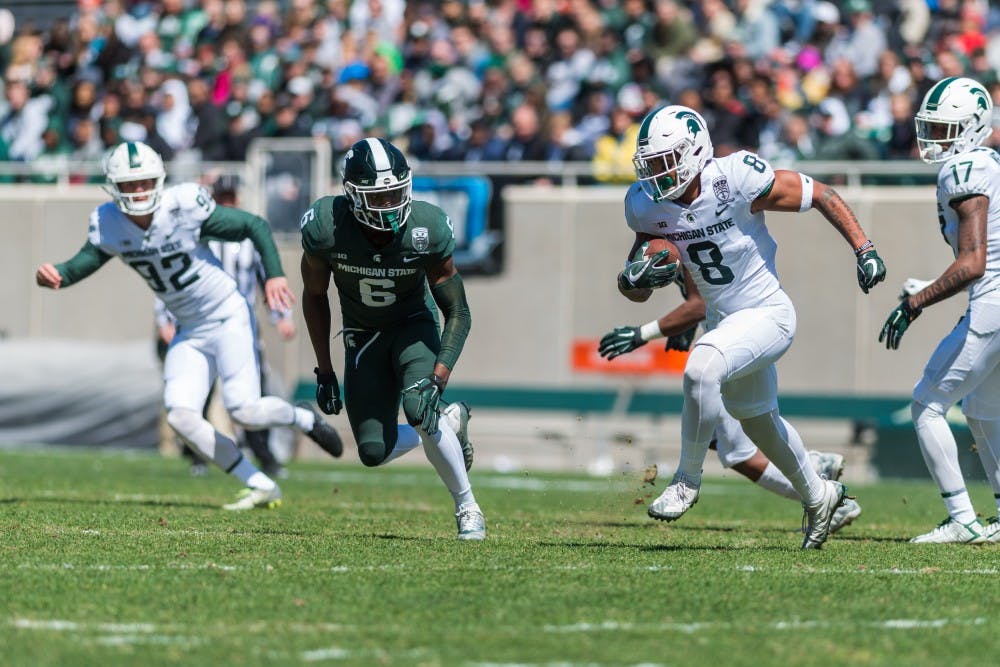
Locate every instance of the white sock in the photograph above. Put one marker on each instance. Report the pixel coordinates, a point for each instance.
(706, 367)
(781, 443)
(987, 436)
(246, 472)
(937, 444)
(407, 439)
(445, 454)
(774, 481)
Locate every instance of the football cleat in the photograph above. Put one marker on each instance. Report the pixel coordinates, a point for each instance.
(818, 519)
(827, 465)
(679, 496)
(323, 434)
(471, 522)
(249, 498)
(457, 414)
(950, 531)
(845, 515)
(991, 531)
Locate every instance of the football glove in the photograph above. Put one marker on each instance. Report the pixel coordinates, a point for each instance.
(644, 274)
(328, 392)
(620, 341)
(913, 285)
(682, 341)
(897, 323)
(427, 394)
(871, 270)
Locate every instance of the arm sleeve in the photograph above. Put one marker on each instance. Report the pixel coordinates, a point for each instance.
(751, 175)
(82, 264)
(233, 224)
(161, 315)
(965, 176)
(450, 298)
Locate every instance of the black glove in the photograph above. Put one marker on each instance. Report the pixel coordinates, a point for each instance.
(682, 341)
(871, 270)
(620, 341)
(328, 392)
(427, 393)
(645, 274)
(897, 323)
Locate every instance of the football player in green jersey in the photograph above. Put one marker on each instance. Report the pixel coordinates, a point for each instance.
(383, 250)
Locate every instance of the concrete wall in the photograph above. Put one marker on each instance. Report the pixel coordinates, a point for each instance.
(564, 248)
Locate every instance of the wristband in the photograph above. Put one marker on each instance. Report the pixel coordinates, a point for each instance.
(867, 245)
(650, 331)
(807, 193)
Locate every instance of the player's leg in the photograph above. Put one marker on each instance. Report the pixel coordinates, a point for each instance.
(415, 349)
(371, 391)
(740, 344)
(961, 362)
(258, 441)
(982, 412)
(239, 372)
(188, 374)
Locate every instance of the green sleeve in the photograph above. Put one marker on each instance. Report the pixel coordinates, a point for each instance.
(450, 298)
(82, 264)
(234, 224)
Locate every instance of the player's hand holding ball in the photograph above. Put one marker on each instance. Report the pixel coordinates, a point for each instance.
(657, 264)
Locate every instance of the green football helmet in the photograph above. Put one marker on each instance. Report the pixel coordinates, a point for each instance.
(379, 183)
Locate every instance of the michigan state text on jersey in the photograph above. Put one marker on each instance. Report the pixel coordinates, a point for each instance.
(712, 209)
(391, 262)
(160, 234)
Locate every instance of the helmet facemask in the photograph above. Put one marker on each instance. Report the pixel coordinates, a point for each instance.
(665, 175)
(383, 207)
(141, 202)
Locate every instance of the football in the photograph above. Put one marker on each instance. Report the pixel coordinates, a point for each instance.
(657, 245)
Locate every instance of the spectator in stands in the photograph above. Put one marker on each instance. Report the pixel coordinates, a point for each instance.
(22, 126)
(207, 139)
(613, 152)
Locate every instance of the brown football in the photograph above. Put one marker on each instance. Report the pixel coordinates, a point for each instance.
(658, 245)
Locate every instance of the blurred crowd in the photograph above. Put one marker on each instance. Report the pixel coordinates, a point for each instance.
(476, 80)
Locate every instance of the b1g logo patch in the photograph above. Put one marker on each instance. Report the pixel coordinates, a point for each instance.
(420, 239)
(720, 187)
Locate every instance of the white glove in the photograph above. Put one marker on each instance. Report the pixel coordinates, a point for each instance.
(913, 285)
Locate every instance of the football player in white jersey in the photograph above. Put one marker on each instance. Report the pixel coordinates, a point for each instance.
(736, 451)
(161, 234)
(953, 120)
(713, 211)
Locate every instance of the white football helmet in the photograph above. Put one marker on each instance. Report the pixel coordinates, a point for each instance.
(134, 161)
(672, 148)
(955, 117)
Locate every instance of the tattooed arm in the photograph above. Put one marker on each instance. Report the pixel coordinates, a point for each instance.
(970, 261)
(792, 191)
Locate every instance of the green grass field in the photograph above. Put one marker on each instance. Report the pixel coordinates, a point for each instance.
(112, 559)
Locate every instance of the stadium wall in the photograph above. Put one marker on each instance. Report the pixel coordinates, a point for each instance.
(563, 248)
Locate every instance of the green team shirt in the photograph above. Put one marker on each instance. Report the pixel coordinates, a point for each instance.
(379, 287)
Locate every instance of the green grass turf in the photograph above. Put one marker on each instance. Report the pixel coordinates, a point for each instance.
(112, 559)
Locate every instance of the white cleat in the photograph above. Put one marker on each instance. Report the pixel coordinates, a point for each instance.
(848, 511)
(950, 531)
(821, 516)
(679, 496)
(827, 465)
(248, 499)
(992, 529)
(471, 522)
(457, 415)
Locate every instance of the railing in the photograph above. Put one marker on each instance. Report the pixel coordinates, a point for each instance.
(905, 172)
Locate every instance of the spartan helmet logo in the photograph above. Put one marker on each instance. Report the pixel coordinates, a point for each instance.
(693, 126)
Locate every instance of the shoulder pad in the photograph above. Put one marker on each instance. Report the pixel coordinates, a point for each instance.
(192, 201)
(970, 173)
(749, 175)
(430, 230)
(319, 221)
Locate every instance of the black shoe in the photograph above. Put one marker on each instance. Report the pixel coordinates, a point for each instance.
(323, 434)
(274, 470)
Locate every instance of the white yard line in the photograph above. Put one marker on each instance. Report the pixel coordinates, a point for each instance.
(693, 628)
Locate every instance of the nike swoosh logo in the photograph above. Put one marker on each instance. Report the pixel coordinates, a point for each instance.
(873, 264)
(720, 211)
(411, 258)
